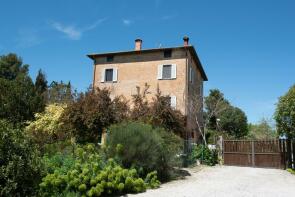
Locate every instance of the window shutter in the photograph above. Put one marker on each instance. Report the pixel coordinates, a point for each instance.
(160, 71)
(173, 72)
(115, 74)
(102, 75)
(173, 101)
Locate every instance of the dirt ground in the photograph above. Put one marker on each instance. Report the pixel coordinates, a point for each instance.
(228, 181)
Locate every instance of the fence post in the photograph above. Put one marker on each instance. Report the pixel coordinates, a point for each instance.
(289, 155)
(219, 144)
(253, 154)
(222, 149)
(284, 153)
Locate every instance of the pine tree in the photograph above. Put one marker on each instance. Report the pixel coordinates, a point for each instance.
(41, 88)
(18, 99)
(41, 82)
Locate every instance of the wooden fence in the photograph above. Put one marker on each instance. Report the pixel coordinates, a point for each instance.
(260, 153)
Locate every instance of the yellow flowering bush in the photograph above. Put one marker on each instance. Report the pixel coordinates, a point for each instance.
(47, 127)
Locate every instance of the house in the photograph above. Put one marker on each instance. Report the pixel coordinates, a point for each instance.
(177, 71)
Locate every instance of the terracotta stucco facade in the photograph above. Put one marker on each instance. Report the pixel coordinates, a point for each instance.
(142, 66)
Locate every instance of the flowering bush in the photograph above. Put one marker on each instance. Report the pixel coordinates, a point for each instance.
(47, 128)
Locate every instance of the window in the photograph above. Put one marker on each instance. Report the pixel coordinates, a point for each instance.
(110, 58)
(166, 71)
(109, 75)
(167, 53)
(173, 102)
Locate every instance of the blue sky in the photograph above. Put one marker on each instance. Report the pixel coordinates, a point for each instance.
(247, 48)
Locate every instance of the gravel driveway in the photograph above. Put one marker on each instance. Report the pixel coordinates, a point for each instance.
(221, 181)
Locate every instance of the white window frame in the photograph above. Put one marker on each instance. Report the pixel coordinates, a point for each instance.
(103, 75)
(173, 72)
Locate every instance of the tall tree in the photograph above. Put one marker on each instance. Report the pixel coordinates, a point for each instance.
(41, 82)
(285, 114)
(12, 66)
(18, 101)
(41, 88)
(215, 104)
(234, 122)
(60, 93)
(221, 116)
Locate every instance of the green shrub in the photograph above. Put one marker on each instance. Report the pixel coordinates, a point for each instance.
(65, 147)
(86, 173)
(59, 161)
(20, 165)
(141, 146)
(135, 143)
(152, 180)
(204, 154)
(292, 171)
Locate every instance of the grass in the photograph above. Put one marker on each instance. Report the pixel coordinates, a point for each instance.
(291, 171)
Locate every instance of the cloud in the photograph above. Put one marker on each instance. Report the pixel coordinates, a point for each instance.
(126, 22)
(70, 31)
(94, 25)
(73, 32)
(27, 37)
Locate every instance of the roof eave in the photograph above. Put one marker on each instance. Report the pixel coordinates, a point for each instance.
(191, 48)
(199, 64)
(131, 52)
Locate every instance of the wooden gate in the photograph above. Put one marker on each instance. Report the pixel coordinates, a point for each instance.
(259, 153)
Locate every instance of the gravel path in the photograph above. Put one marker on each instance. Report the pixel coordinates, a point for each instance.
(228, 181)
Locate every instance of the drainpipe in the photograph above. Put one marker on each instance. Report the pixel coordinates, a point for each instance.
(186, 44)
(186, 89)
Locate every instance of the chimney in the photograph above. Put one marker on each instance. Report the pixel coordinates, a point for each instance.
(138, 44)
(185, 41)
